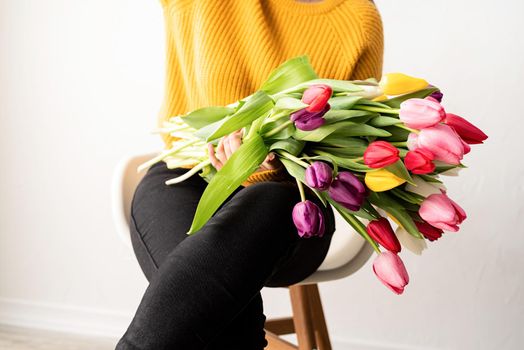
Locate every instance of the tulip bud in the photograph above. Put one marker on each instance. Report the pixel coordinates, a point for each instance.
(442, 141)
(379, 154)
(467, 131)
(399, 84)
(419, 113)
(428, 231)
(308, 219)
(437, 95)
(347, 190)
(419, 161)
(382, 180)
(319, 176)
(380, 230)
(305, 120)
(442, 212)
(317, 96)
(390, 270)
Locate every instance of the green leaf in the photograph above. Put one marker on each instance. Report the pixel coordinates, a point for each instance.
(259, 104)
(399, 169)
(291, 104)
(290, 73)
(207, 115)
(337, 115)
(344, 152)
(382, 121)
(407, 196)
(395, 102)
(347, 128)
(388, 203)
(242, 163)
(289, 145)
(343, 102)
(344, 162)
(337, 139)
(396, 134)
(285, 133)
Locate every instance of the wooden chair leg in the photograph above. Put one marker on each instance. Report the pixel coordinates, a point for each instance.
(302, 317)
(317, 316)
(308, 322)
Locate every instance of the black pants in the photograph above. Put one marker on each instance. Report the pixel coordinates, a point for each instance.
(204, 289)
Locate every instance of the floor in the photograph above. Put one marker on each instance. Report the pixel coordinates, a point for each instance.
(16, 338)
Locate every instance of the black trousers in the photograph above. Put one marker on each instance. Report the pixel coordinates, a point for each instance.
(204, 289)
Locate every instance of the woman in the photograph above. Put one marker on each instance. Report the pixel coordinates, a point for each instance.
(204, 290)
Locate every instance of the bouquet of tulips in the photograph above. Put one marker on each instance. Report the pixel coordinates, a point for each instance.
(373, 150)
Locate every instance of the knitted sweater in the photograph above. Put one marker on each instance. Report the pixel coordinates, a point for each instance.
(221, 51)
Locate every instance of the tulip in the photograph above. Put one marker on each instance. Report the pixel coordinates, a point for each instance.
(437, 95)
(430, 232)
(382, 180)
(380, 230)
(442, 212)
(305, 120)
(379, 154)
(467, 131)
(411, 243)
(308, 219)
(319, 176)
(419, 113)
(390, 270)
(347, 190)
(399, 84)
(419, 161)
(442, 141)
(317, 96)
(425, 188)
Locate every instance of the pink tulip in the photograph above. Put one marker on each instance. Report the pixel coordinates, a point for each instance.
(467, 131)
(419, 113)
(317, 96)
(442, 212)
(442, 141)
(390, 270)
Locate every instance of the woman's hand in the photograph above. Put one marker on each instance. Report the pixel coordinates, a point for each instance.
(229, 144)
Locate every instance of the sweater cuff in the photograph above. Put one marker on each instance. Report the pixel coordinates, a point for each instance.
(279, 174)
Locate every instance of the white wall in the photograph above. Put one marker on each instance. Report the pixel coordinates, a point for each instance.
(80, 85)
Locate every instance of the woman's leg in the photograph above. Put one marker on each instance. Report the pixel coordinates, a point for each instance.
(212, 277)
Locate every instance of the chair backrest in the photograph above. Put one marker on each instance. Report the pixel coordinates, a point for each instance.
(347, 253)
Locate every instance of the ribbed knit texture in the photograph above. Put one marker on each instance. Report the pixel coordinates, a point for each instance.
(221, 51)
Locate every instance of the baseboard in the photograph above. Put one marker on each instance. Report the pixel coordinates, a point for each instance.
(61, 318)
(103, 323)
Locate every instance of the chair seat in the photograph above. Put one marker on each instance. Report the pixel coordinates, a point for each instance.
(347, 253)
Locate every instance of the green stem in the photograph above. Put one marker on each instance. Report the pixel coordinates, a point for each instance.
(277, 129)
(301, 190)
(189, 173)
(400, 144)
(166, 153)
(377, 109)
(293, 158)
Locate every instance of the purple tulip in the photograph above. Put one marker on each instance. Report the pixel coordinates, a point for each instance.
(308, 219)
(437, 95)
(319, 176)
(347, 190)
(305, 120)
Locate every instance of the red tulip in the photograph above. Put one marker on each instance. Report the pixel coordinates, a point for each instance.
(317, 96)
(442, 212)
(467, 131)
(380, 230)
(430, 232)
(419, 161)
(379, 154)
(390, 270)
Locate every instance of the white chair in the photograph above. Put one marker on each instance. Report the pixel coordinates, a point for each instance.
(347, 253)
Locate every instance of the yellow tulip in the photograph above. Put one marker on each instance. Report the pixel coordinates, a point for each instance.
(399, 84)
(382, 180)
(380, 98)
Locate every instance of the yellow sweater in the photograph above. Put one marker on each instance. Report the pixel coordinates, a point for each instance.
(221, 51)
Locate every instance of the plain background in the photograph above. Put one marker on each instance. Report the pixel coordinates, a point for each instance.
(80, 85)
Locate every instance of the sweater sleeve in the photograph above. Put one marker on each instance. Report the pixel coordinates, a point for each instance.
(279, 174)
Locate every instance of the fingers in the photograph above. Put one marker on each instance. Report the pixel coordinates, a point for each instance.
(214, 161)
(220, 152)
(235, 140)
